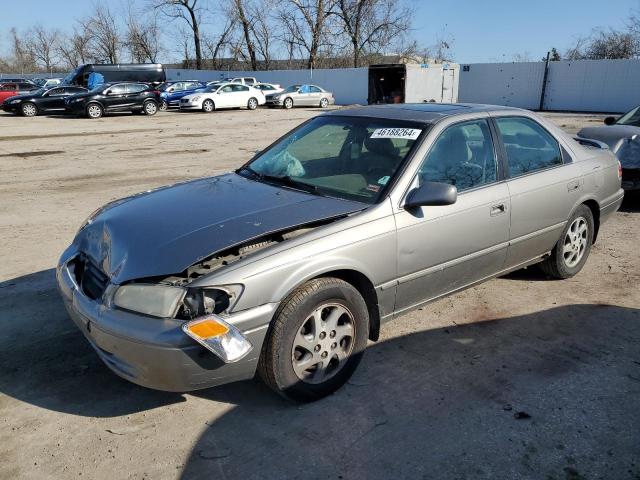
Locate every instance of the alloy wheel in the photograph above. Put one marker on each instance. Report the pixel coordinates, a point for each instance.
(164, 106)
(288, 103)
(324, 103)
(207, 106)
(94, 111)
(29, 110)
(575, 242)
(253, 104)
(150, 108)
(323, 343)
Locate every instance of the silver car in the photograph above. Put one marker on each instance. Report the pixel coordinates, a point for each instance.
(301, 96)
(289, 265)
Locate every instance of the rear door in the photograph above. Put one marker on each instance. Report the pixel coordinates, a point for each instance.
(136, 95)
(444, 248)
(240, 96)
(544, 185)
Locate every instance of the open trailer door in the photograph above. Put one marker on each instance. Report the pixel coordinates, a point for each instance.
(387, 84)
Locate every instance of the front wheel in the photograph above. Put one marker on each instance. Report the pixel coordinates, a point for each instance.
(252, 104)
(164, 106)
(150, 108)
(316, 340)
(94, 110)
(288, 103)
(29, 109)
(570, 253)
(208, 106)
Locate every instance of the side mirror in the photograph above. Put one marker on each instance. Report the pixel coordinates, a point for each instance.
(108, 92)
(431, 194)
(610, 120)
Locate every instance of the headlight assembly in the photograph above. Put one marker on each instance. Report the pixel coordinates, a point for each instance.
(195, 99)
(17, 100)
(155, 300)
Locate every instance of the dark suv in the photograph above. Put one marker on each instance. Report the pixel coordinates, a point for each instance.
(114, 97)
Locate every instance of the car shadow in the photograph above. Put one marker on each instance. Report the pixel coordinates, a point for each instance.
(552, 394)
(631, 202)
(536, 395)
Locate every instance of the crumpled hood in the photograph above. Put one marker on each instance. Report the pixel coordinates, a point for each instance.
(163, 232)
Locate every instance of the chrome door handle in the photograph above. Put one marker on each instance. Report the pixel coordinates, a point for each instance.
(498, 209)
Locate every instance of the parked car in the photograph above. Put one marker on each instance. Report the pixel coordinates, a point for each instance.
(172, 92)
(16, 80)
(301, 96)
(47, 82)
(115, 97)
(291, 264)
(151, 73)
(251, 81)
(11, 89)
(622, 136)
(44, 100)
(268, 88)
(226, 95)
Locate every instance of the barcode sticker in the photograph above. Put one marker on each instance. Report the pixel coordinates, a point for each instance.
(406, 133)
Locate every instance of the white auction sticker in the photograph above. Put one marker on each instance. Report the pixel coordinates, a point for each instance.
(408, 133)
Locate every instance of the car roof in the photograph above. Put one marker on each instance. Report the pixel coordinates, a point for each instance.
(418, 112)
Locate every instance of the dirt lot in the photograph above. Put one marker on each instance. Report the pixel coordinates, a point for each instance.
(520, 377)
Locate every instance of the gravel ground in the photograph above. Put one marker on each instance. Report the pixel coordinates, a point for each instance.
(521, 377)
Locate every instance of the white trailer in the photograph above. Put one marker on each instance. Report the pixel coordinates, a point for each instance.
(413, 83)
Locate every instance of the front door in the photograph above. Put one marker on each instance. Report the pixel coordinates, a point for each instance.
(116, 97)
(444, 248)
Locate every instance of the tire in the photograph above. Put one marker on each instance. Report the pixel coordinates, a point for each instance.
(288, 103)
(324, 103)
(94, 110)
(252, 104)
(315, 341)
(208, 106)
(164, 106)
(28, 109)
(570, 253)
(150, 108)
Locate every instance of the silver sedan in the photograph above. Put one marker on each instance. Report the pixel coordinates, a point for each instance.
(301, 96)
(290, 264)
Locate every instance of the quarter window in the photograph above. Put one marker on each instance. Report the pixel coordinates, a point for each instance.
(463, 156)
(529, 146)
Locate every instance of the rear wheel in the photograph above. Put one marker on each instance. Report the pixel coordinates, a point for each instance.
(29, 109)
(570, 253)
(94, 110)
(208, 106)
(324, 103)
(288, 103)
(150, 107)
(316, 340)
(252, 104)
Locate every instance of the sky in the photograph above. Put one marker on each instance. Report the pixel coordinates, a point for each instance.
(478, 30)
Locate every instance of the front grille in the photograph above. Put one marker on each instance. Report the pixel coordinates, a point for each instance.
(92, 281)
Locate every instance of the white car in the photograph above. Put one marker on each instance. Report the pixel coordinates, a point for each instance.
(269, 88)
(226, 95)
(245, 80)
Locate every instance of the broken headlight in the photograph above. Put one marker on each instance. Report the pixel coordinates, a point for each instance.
(205, 301)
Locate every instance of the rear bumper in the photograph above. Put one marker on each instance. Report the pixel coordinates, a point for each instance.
(154, 352)
(611, 205)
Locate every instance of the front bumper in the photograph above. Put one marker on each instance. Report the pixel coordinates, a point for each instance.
(155, 352)
(190, 105)
(13, 108)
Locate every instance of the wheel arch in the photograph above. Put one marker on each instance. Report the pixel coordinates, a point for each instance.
(593, 205)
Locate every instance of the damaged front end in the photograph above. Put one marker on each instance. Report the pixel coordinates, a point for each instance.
(200, 310)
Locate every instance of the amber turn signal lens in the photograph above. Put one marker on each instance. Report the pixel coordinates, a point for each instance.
(208, 329)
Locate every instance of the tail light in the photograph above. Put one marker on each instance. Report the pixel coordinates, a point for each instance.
(619, 170)
(157, 93)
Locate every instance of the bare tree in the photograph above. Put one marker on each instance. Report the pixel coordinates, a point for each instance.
(305, 23)
(576, 52)
(215, 46)
(188, 11)
(41, 43)
(73, 49)
(22, 56)
(612, 44)
(246, 26)
(103, 35)
(372, 25)
(143, 38)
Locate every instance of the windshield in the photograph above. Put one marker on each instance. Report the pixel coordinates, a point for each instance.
(291, 89)
(630, 118)
(345, 157)
(69, 78)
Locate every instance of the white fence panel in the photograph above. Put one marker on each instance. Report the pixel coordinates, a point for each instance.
(349, 85)
(593, 85)
(511, 84)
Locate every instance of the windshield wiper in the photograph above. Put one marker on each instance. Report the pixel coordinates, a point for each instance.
(251, 171)
(285, 180)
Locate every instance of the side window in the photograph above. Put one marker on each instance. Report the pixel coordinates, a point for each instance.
(118, 89)
(56, 92)
(313, 89)
(240, 88)
(304, 89)
(227, 89)
(529, 146)
(463, 155)
(135, 87)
